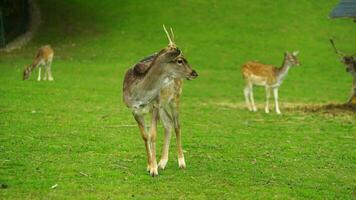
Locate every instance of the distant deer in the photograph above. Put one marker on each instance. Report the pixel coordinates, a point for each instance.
(43, 57)
(268, 76)
(153, 87)
(350, 64)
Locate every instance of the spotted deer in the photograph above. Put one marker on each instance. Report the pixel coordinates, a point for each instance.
(350, 63)
(269, 76)
(153, 87)
(43, 57)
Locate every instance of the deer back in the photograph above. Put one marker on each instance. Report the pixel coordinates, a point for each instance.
(136, 73)
(260, 70)
(143, 66)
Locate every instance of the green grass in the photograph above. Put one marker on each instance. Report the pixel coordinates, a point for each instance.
(51, 132)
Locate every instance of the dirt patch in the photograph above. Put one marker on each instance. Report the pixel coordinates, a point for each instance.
(332, 108)
(327, 108)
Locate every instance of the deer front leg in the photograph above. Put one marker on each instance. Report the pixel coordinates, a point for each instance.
(181, 160)
(152, 135)
(167, 124)
(247, 97)
(254, 109)
(275, 93)
(141, 125)
(268, 94)
(39, 73)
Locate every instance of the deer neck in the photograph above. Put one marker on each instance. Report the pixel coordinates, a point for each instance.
(149, 87)
(34, 63)
(283, 71)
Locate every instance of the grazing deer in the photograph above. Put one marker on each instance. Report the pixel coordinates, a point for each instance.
(43, 56)
(266, 75)
(153, 87)
(350, 64)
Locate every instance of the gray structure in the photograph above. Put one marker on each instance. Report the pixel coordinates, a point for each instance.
(346, 8)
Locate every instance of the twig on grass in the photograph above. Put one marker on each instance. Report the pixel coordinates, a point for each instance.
(54, 186)
(83, 174)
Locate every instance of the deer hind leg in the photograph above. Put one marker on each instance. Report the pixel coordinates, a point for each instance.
(152, 135)
(275, 93)
(167, 124)
(353, 93)
(49, 71)
(268, 94)
(142, 126)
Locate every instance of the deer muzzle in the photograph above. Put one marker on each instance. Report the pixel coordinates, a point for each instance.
(192, 75)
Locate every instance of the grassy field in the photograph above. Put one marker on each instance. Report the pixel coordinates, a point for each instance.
(76, 132)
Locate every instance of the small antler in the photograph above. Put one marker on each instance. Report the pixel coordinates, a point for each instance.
(171, 43)
(172, 34)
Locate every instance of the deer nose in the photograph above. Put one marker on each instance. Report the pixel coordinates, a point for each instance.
(194, 73)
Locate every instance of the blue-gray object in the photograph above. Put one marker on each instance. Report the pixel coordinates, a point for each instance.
(346, 8)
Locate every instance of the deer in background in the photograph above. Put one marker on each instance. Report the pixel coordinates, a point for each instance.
(350, 64)
(153, 87)
(268, 76)
(43, 57)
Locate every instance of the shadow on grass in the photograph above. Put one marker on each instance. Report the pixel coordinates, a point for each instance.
(63, 20)
(330, 108)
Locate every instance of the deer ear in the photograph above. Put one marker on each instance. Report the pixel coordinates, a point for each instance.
(295, 53)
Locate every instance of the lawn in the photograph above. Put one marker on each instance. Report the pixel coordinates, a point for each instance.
(77, 134)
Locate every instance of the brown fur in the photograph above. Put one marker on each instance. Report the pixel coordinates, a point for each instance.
(141, 83)
(44, 54)
(350, 64)
(269, 76)
(258, 69)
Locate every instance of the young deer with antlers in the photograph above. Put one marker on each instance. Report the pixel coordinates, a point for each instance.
(44, 57)
(153, 86)
(350, 64)
(268, 76)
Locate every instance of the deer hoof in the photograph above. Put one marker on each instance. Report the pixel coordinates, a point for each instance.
(181, 163)
(162, 163)
(154, 172)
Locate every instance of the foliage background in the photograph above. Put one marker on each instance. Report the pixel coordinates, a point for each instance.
(54, 132)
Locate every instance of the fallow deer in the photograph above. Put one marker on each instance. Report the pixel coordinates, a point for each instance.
(350, 64)
(43, 57)
(153, 87)
(268, 76)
